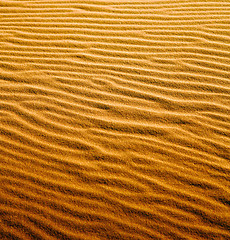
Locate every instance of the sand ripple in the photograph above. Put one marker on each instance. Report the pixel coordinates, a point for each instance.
(114, 119)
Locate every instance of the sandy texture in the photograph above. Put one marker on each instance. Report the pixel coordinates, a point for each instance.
(114, 119)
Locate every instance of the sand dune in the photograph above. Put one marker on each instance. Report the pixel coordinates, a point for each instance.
(115, 119)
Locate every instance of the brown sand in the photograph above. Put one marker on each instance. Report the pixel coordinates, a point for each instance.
(114, 119)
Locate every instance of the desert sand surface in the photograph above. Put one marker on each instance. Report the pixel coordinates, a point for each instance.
(114, 119)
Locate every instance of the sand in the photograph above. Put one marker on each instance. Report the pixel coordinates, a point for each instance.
(115, 119)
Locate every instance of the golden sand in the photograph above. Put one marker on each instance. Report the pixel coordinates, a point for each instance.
(115, 119)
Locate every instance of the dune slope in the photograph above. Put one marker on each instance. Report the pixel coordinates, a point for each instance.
(114, 119)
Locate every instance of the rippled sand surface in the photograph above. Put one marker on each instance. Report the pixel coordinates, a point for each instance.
(114, 119)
